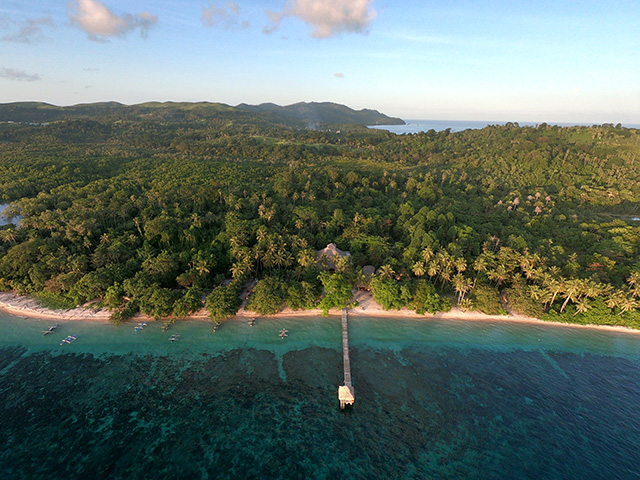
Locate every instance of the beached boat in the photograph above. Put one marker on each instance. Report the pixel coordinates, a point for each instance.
(283, 333)
(70, 339)
(50, 330)
(140, 326)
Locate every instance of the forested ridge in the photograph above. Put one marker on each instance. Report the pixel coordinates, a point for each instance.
(151, 214)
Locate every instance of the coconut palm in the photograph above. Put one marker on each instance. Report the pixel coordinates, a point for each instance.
(573, 289)
(419, 269)
(634, 283)
(582, 306)
(427, 254)
(8, 235)
(460, 264)
(306, 258)
(462, 286)
(386, 271)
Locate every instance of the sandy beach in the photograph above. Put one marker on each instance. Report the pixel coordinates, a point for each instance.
(27, 307)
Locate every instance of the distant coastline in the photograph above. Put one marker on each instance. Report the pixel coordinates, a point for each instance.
(417, 126)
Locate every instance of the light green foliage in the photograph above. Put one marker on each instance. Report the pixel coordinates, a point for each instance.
(53, 300)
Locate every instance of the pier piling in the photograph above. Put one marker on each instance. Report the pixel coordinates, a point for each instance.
(346, 394)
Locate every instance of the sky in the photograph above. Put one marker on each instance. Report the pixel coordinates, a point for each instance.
(512, 60)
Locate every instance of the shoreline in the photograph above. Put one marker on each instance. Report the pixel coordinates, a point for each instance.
(27, 307)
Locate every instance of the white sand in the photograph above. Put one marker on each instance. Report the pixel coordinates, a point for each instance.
(367, 307)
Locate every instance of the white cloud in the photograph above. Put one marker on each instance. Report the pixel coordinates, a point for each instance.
(18, 75)
(99, 22)
(31, 31)
(327, 18)
(339, 75)
(225, 17)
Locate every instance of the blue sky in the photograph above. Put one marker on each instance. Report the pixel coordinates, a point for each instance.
(515, 60)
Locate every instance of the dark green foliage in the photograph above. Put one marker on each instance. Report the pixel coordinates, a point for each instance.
(223, 302)
(390, 293)
(337, 291)
(426, 299)
(146, 207)
(268, 296)
(189, 302)
(302, 295)
(520, 301)
(486, 300)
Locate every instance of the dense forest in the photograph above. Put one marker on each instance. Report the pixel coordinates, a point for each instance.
(155, 213)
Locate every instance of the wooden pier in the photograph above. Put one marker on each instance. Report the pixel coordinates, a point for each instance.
(346, 394)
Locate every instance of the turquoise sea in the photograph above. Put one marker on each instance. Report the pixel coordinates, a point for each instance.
(434, 399)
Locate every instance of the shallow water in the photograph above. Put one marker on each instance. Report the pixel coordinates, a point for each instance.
(434, 399)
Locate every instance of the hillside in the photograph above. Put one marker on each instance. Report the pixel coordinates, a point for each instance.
(325, 113)
(298, 115)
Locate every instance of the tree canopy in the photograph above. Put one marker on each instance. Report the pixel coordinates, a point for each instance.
(151, 212)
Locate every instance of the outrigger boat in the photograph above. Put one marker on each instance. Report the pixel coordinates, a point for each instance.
(68, 340)
(50, 330)
(283, 333)
(140, 326)
(215, 326)
(252, 322)
(174, 337)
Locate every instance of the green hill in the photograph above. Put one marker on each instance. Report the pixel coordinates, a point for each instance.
(299, 115)
(325, 113)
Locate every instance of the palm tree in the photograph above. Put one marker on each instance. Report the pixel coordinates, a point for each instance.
(582, 306)
(628, 304)
(461, 264)
(616, 299)
(427, 254)
(306, 258)
(8, 235)
(462, 286)
(634, 283)
(419, 269)
(386, 271)
(498, 274)
(573, 289)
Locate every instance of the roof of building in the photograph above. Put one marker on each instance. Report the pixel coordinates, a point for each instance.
(330, 252)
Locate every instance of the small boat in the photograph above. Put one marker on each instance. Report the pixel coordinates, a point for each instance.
(283, 333)
(174, 337)
(252, 322)
(50, 330)
(140, 326)
(68, 340)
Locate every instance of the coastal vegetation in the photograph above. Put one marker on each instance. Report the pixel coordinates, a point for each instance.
(154, 212)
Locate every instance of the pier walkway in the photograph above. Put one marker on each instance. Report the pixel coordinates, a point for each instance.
(346, 394)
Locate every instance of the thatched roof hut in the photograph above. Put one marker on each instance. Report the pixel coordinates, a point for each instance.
(326, 256)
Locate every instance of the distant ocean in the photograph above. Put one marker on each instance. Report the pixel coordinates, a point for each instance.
(434, 399)
(417, 126)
